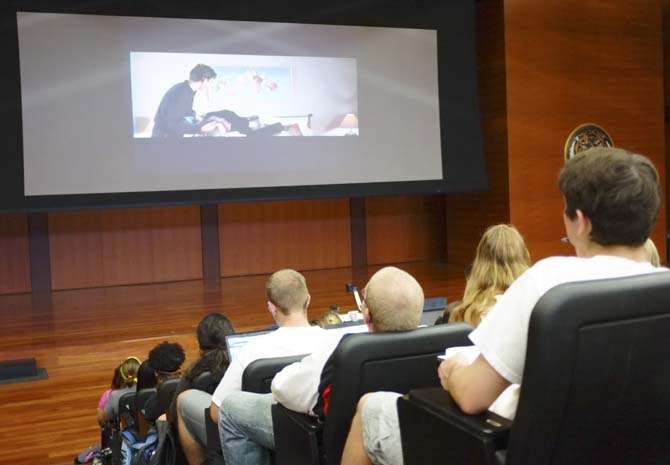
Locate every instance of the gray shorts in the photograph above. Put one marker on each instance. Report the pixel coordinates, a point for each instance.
(192, 413)
(381, 429)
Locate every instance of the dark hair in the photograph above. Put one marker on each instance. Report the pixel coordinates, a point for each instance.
(201, 72)
(212, 331)
(117, 380)
(617, 190)
(167, 357)
(146, 376)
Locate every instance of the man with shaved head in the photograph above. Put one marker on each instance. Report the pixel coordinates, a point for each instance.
(392, 301)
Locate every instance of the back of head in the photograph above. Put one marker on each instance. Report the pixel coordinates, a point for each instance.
(212, 331)
(167, 357)
(287, 290)
(128, 371)
(328, 319)
(201, 72)
(617, 190)
(394, 299)
(146, 376)
(501, 257)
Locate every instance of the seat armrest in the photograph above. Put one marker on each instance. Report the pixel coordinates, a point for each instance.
(431, 423)
(486, 424)
(297, 437)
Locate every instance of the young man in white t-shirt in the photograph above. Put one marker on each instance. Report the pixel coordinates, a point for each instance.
(612, 199)
(393, 301)
(288, 298)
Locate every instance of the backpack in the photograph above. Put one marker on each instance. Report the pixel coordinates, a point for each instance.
(165, 452)
(131, 451)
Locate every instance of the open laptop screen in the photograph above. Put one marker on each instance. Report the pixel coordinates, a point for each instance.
(235, 342)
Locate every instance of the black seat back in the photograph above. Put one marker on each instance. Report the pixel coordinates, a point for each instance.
(203, 382)
(371, 362)
(596, 385)
(165, 392)
(127, 410)
(257, 376)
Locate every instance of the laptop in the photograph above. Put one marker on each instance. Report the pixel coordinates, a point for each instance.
(432, 308)
(235, 342)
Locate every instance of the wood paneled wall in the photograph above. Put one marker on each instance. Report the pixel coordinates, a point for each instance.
(405, 228)
(468, 215)
(14, 255)
(126, 246)
(261, 237)
(569, 63)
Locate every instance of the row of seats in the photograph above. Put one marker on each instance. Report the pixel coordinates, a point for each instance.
(595, 389)
(361, 363)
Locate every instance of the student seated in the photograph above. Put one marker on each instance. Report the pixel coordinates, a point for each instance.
(501, 257)
(612, 198)
(392, 301)
(117, 383)
(166, 359)
(128, 372)
(287, 301)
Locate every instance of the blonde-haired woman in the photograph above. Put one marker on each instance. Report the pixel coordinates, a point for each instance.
(501, 257)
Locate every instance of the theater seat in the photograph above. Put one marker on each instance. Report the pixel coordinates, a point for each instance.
(362, 363)
(596, 387)
(257, 377)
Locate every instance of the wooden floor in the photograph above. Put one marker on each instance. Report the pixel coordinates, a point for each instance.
(79, 336)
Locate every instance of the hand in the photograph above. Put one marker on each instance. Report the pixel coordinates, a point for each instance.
(208, 127)
(447, 366)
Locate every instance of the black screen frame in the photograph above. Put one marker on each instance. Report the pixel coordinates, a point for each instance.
(463, 162)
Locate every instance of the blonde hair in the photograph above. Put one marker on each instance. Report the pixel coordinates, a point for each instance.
(128, 371)
(287, 290)
(652, 253)
(501, 257)
(329, 318)
(394, 299)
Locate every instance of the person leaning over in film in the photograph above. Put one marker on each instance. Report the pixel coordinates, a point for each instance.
(612, 199)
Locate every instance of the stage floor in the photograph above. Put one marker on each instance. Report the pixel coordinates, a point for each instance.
(79, 336)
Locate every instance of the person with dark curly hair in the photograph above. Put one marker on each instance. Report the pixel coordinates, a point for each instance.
(166, 359)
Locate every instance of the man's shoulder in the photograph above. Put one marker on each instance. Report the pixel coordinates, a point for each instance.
(281, 342)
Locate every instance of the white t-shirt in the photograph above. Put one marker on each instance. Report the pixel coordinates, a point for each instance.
(502, 335)
(283, 342)
(296, 387)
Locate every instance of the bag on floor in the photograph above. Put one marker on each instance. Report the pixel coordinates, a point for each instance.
(136, 452)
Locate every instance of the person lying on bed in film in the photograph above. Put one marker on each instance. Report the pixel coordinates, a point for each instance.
(175, 116)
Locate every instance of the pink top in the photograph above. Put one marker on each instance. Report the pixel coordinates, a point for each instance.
(103, 399)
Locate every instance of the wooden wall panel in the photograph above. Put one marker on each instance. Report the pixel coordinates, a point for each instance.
(176, 243)
(75, 247)
(14, 254)
(605, 68)
(125, 246)
(405, 228)
(261, 237)
(468, 215)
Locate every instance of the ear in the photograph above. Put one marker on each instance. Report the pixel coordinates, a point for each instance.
(272, 309)
(309, 299)
(584, 225)
(367, 317)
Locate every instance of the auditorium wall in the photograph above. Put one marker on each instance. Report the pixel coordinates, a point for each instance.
(544, 68)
